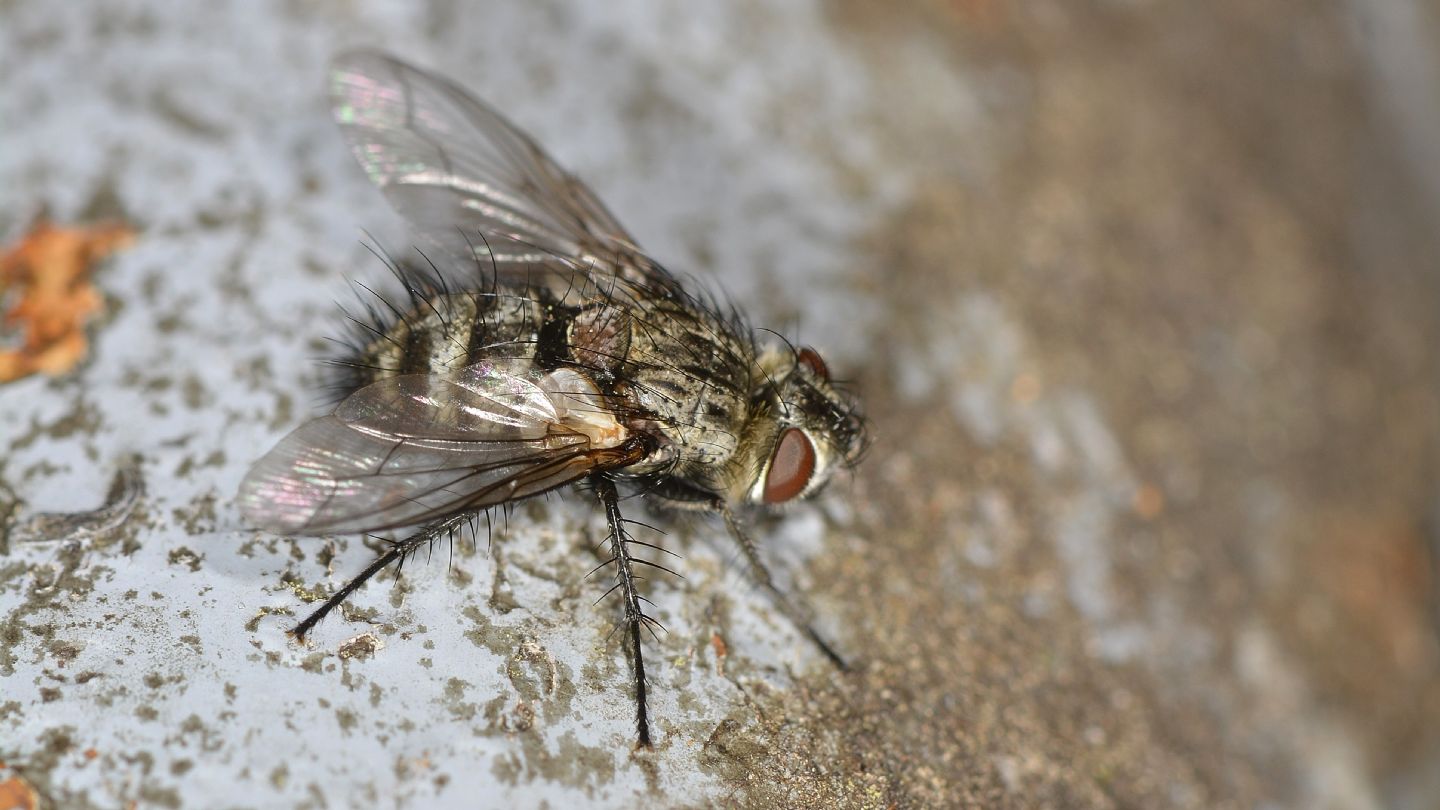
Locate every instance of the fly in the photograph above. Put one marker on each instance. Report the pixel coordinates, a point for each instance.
(545, 349)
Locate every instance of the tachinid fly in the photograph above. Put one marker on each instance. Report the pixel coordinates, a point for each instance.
(544, 349)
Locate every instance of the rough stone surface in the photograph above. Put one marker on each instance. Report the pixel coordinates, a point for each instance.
(1141, 298)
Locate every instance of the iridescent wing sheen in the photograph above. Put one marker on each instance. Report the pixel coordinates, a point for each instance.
(476, 190)
(416, 448)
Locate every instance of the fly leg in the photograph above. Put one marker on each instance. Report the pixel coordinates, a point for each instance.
(626, 584)
(398, 550)
(800, 616)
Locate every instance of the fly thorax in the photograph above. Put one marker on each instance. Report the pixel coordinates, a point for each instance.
(691, 380)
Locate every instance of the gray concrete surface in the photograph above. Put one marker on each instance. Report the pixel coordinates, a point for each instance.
(1141, 298)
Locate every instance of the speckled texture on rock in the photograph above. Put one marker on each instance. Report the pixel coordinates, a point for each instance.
(1141, 297)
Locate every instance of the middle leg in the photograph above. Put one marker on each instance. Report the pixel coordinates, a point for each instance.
(634, 614)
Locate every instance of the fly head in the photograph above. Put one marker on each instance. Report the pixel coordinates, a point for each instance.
(804, 427)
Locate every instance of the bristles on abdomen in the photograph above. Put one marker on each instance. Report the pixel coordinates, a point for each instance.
(439, 330)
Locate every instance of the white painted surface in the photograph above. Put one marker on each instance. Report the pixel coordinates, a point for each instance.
(207, 124)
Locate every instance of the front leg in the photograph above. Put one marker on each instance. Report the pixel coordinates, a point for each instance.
(800, 616)
(634, 615)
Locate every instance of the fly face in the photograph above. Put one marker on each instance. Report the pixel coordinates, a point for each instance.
(545, 349)
(807, 427)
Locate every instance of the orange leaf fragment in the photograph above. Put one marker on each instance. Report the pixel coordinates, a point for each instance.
(16, 794)
(50, 268)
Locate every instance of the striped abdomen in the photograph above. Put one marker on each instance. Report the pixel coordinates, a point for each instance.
(446, 332)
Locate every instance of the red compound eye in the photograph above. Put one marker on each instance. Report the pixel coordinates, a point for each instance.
(790, 467)
(810, 359)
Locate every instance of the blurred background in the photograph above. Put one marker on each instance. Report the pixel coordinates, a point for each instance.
(1140, 295)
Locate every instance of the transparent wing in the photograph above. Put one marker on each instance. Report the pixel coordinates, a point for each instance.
(463, 176)
(415, 448)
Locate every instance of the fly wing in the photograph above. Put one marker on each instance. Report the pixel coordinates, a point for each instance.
(415, 448)
(473, 186)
